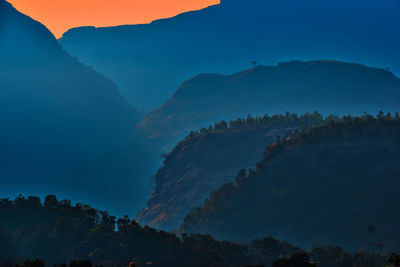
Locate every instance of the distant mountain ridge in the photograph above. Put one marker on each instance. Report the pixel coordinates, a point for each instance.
(149, 61)
(295, 86)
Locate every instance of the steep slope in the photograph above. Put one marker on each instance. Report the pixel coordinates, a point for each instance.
(336, 184)
(326, 86)
(56, 114)
(149, 61)
(206, 160)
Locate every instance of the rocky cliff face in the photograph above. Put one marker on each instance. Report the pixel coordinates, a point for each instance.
(199, 165)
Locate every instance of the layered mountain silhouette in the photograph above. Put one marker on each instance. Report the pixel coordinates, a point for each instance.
(56, 114)
(295, 86)
(149, 61)
(336, 184)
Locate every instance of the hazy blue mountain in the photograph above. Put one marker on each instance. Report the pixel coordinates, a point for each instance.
(149, 61)
(58, 117)
(296, 86)
(336, 184)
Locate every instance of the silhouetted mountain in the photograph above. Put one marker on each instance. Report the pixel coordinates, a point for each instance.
(56, 115)
(149, 61)
(326, 86)
(206, 160)
(332, 184)
(56, 232)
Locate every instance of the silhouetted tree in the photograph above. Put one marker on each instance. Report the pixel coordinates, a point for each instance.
(50, 202)
(123, 222)
(241, 176)
(221, 125)
(296, 260)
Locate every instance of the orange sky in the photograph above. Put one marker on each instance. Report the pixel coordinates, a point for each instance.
(61, 15)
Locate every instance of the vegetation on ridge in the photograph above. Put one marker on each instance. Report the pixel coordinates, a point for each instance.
(341, 178)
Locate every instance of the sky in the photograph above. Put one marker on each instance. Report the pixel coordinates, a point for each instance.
(61, 15)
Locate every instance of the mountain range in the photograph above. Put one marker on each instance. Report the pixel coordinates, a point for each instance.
(149, 61)
(67, 127)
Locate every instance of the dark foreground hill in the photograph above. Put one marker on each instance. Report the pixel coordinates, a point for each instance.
(336, 184)
(57, 232)
(326, 86)
(210, 158)
(56, 115)
(149, 61)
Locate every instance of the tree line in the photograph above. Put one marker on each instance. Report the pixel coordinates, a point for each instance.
(290, 119)
(57, 231)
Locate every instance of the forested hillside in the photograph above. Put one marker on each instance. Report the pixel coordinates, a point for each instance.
(334, 184)
(210, 158)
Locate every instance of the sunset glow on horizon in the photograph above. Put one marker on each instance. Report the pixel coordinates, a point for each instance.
(62, 15)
